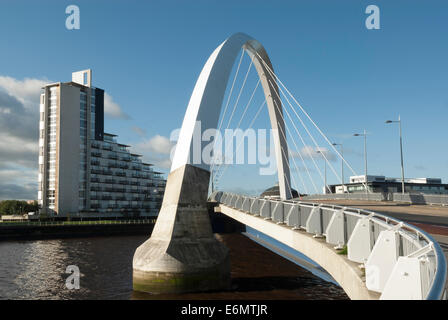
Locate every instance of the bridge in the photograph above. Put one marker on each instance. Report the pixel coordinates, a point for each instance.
(386, 258)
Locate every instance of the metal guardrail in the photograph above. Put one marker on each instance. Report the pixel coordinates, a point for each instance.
(401, 261)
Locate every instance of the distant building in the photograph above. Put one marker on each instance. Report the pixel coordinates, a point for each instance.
(274, 192)
(382, 184)
(84, 171)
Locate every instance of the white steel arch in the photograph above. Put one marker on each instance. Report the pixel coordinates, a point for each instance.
(182, 253)
(205, 105)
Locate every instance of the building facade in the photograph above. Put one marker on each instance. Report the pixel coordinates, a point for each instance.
(84, 171)
(382, 184)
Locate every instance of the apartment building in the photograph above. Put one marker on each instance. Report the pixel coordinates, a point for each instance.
(83, 171)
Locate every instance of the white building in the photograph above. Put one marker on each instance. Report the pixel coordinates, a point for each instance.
(82, 170)
(384, 184)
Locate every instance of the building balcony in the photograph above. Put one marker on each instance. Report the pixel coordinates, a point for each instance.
(120, 174)
(110, 181)
(96, 154)
(107, 148)
(95, 180)
(95, 163)
(95, 146)
(113, 156)
(106, 198)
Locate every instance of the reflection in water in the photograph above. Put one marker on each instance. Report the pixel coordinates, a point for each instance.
(36, 270)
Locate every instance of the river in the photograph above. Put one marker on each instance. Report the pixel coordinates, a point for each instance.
(35, 269)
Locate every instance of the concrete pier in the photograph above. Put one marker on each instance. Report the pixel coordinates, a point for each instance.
(182, 254)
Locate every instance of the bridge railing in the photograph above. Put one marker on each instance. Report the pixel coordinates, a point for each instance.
(400, 260)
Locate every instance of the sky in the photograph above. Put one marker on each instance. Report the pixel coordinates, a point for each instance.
(147, 56)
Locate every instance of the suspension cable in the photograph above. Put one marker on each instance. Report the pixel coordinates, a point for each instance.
(312, 138)
(297, 148)
(241, 119)
(231, 89)
(239, 145)
(303, 142)
(303, 110)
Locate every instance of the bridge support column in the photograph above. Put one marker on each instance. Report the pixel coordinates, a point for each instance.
(182, 254)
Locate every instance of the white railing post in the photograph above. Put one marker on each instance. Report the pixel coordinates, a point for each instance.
(335, 233)
(360, 243)
(314, 222)
(265, 209)
(382, 260)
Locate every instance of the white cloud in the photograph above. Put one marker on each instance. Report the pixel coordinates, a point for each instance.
(140, 131)
(27, 91)
(156, 150)
(19, 121)
(113, 109)
(156, 144)
(309, 152)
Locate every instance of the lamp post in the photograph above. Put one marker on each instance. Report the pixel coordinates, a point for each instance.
(325, 172)
(342, 165)
(365, 151)
(401, 152)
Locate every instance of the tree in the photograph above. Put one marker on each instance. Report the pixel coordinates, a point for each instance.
(16, 207)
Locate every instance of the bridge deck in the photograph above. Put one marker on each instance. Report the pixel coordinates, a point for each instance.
(345, 272)
(432, 219)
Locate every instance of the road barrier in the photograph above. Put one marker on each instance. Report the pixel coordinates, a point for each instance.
(348, 196)
(421, 198)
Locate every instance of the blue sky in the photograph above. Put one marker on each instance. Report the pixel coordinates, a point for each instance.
(147, 55)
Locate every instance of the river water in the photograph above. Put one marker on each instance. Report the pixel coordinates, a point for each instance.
(35, 269)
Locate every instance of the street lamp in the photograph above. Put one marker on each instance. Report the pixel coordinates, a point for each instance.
(365, 152)
(325, 174)
(401, 152)
(342, 165)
